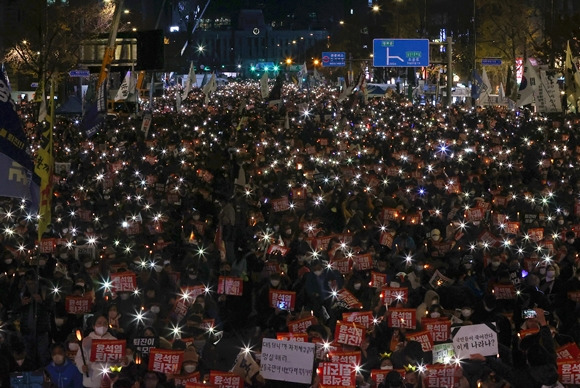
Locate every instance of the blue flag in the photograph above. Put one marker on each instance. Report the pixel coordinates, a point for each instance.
(17, 178)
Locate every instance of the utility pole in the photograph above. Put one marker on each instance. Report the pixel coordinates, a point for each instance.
(449, 70)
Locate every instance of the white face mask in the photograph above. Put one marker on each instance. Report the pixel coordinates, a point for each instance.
(189, 368)
(435, 314)
(318, 273)
(357, 286)
(8, 261)
(195, 218)
(124, 296)
(435, 237)
(495, 264)
(20, 362)
(88, 264)
(550, 275)
(155, 309)
(101, 330)
(192, 276)
(275, 283)
(58, 321)
(466, 313)
(387, 367)
(73, 347)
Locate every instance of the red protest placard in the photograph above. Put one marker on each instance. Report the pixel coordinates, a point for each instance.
(348, 299)
(391, 294)
(437, 376)
(440, 328)
(165, 361)
(225, 379)
(388, 214)
(341, 265)
(198, 385)
(284, 300)
(378, 279)
(107, 350)
(298, 337)
(278, 249)
(363, 318)
(300, 325)
(423, 337)
(504, 291)
(353, 358)
(335, 375)
(474, 214)
(78, 304)
(570, 351)
(230, 285)
(183, 380)
(569, 371)
(123, 281)
(349, 333)
(402, 318)
(363, 262)
(536, 234)
(190, 293)
(280, 204)
(47, 245)
(512, 227)
(386, 239)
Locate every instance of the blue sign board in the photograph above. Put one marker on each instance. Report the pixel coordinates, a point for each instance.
(333, 59)
(400, 52)
(491, 61)
(79, 73)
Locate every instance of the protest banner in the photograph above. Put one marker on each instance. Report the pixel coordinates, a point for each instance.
(443, 353)
(165, 361)
(378, 279)
(107, 350)
(363, 318)
(276, 249)
(472, 339)
(143, 344)
(440, 328)
(423, 337)
(298, 337)
(287, 361)
(280, 204)
(569, 371)
(336, 375)
(349, 333)
(570, 351)
(402, 318)
(229, 285)
(348, 300)
(300, 325)
(283, 300)
(183, 380)
(221, 379)
(123, 281)
(504, 291)
(78, 304)
(437, 376)
(363, 262)
(391, 294)
(353, 358)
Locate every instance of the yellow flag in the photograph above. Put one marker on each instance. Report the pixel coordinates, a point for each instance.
(44, 168)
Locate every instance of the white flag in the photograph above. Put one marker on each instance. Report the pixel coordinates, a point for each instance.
(485, 89)
(190, 78)
(529, 85)
(264, 85)
(125, 88)
(548, 93)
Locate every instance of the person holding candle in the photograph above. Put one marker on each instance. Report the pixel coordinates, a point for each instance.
(92, 371)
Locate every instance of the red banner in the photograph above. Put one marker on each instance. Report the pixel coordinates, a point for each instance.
(165, 361)
(276, 249)
(504, 291)
(349, 299)
(423, 337)
(402, 318)
(298, 337)
(436, 376)
(363, 262)
(335, 375)
(363, 318)
(301, 325)
(183, 380)
(378, 279)
(569, 351)
(47, 245)
(280, 204)
(341, 265)
(190, 293)
(225, 379)
(78, 304)
(107, 350)
(353, 358)
(536, 234)
(284, 300)
(440, 328)
(379, 375)
(230, 285)
(569, 372)
(386, 239)
(349, 333)
(123, 281)
(391, 294)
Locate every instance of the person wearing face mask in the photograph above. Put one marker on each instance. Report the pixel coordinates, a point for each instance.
(92, 376)
(190, 361)
(318, 286)
(21, 360)
(494, 268)
(431, 298)
(276, 282)
(360, 289)
(552, 285)
(62, 372)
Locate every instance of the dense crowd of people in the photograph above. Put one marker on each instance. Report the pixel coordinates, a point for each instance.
(230, 221)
